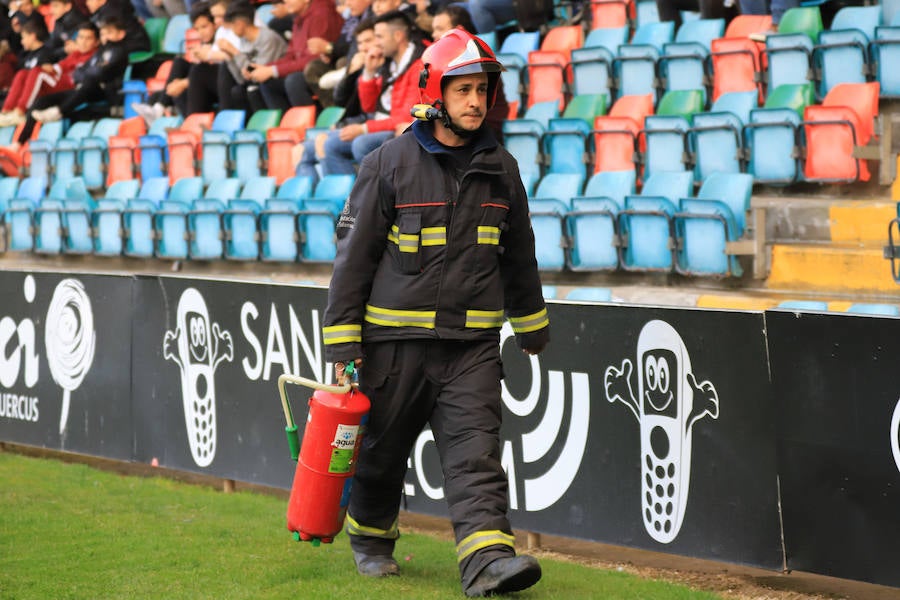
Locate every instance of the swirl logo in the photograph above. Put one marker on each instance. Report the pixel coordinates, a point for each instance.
(895, 434)
(70, 340)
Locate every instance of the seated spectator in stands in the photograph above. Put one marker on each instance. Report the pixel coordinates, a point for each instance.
(382, 7)
(175, 92)
(33, 36)
(670, 10)
(452, 16)
(489, 14)
(426, 11)
(259, 44)
(67, 22)
(23, 11)
(387, 91)
(97, 80)
(165, 8)
(281, 21)
(30, 84)
(317, 24)
(121, 11)
(761, 7)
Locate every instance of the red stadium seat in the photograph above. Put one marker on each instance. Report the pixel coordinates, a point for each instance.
(736, 66)
(563, 39)
(157, 83)
(279, 140)
(611, 13)
(547, 78)
(843, 121)
(615, 134)
(185, 149)
(743, 25)
(122, 151)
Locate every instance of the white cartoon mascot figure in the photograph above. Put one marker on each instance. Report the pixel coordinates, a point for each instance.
(198, 348)
(668, 403)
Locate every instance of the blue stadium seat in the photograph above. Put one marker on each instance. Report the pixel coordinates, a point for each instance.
(62, 220)
(772, 143)
(92, 156)
(278, 221)
(842, 54)
(564, 146)
(171, 219)
(20, 213)
(64, 161)
(489, 38)
(137, 218)
(591, 224)
(889, 310)
(317, 219)
(646, 12)
(885, 50)
(549, 292)
(590, 294)
(153, 148)
(707, 223)
(592, 64)
(683, 63)
(666, 132)
(548, 208)
(215, 163)
(513, 56)
(106, 220)
(646, 225)
(522, 138)
(715, 138)
(133, 92)
(607, 37)
(173, 38)
(804, 305)
(41, 149)
(635, 65)
(205, 219)
(790, 59)
(248, 150)
(240, 219)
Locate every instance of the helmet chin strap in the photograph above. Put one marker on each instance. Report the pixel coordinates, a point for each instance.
(447, 122)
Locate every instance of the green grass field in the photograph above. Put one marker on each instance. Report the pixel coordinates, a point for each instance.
(71, 531)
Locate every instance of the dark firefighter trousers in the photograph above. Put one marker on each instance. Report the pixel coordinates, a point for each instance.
(454, 386)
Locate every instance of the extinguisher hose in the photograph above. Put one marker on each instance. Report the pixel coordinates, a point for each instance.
(285, 378)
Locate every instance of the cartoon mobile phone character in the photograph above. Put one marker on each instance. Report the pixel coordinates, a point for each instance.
(200, 348)
(666, 412)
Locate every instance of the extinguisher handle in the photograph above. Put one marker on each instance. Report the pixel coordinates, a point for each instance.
(286, 378)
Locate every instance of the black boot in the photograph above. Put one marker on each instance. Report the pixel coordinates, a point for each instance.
(373, 565)
(506, 575)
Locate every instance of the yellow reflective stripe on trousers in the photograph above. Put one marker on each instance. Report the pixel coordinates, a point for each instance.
(434, 236)
(531, 322)
(354, 528)
(340, 334)
(482, 539)
(484, 319)
(407, 242)
(488, 235)
(400, 318)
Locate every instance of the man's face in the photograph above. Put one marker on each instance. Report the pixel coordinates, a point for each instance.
(239, 27)
(218, 13)
(440, 25)
(296, 6)
(380, 7)
(58, 9)
(358, 7)
(206, 29)
(86, 41)
(110, 35)
(94, 5)
(364, 40)
(465, 100)
(29, 40)
(386, 38)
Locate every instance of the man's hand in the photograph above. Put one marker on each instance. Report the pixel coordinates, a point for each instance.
(357, 62)
(261, 73)
(318, 45)
(47, 68)
(351, 132)
(227, 47)
(373, 62)
(70, 46)
(340, 376)
(201, 52)
(177, 87)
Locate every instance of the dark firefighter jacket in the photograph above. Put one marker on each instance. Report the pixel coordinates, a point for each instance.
(425, 254)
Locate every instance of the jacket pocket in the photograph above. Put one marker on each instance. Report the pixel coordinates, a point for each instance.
(407, 233)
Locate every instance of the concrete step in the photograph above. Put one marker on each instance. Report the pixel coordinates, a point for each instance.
(838, 268)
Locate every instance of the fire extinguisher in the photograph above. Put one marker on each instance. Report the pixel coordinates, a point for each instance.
(327, 459)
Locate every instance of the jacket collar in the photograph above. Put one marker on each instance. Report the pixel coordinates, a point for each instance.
(424, 133)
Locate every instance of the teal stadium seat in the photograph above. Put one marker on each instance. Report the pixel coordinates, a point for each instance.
(137, 218)
(240, 219)
(20, 213)
(171, 219)
(205, 219)
(591, 224)
(278, 220)
(318, 216)
(106, 219)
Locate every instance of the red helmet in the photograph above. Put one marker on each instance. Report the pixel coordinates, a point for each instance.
(457, 53)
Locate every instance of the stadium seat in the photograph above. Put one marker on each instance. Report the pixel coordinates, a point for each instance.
(736, 65)
(715, 138)
(154, 84)
(635, 65)
(133, 92)
(62, 220)
(513, 56)
(184, 145)
(665, 133)
(138, 216)
(279, 237)
(64, 159)
(888, 310)
(489, 38)
(789, 52)
(317, 219)
(682, 65)
(804, 305)
(522, 138)
(844, 121)
(615, 135)
(646, 226)
(216, 162)
(205, 228)
(248, 147)
(591, 223)
(842, 54)
(549, 292)
(885, 50)
(551, 201)
(122, 149)
(20, 214)
(592, 70)
(646, 12)
(156, 31)
(281, 139)
(174, 35)
(240, 218)
(609, 14)
(107, 218)
(171, 219)
(93, 155)
(771, 139)
(705, 224)
(547, 77)
(590, 294)
(564, 146)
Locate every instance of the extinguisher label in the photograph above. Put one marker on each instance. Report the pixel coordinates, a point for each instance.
(342, 449)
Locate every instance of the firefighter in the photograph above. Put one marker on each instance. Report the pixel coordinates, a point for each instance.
(434, 248)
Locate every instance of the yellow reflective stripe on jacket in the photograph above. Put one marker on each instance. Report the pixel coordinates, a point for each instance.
(488, 235)
(434, 236)
(484, 319)
(482, 539)
(354, 528)
(340, 334)
(400, 318)
(407, 242)
(531, 322)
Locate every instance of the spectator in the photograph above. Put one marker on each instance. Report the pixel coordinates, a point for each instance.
(281, 21)
(67, 22)
(166, 8)
(670, 10)
(316, 25)
(34, 37)
(488, 14)
(23, 12)
(454, 16)
(122, 12)
(99, 79)
(175, 92)
(30, 84)
(259, 44)
(389, 91)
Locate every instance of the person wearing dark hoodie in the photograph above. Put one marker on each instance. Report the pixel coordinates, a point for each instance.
(67, 21)
(97, 80)
(102, 11)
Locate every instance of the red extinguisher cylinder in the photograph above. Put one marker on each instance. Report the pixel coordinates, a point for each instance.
(328, 454)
